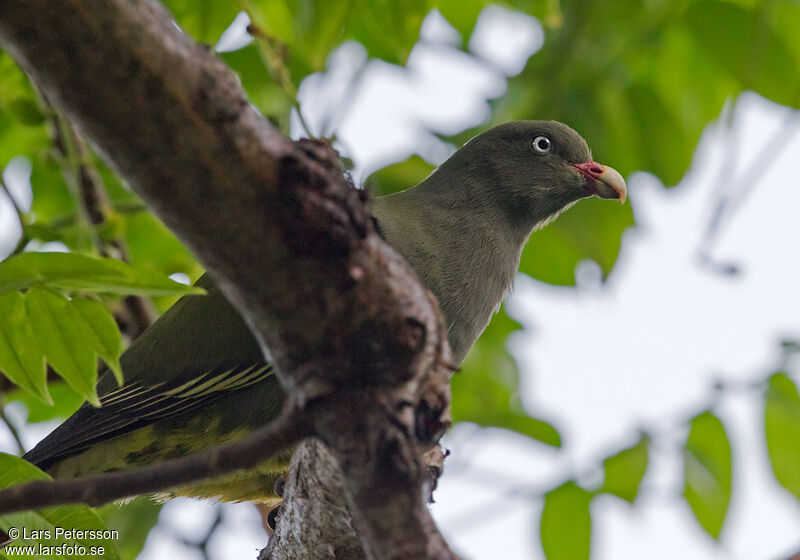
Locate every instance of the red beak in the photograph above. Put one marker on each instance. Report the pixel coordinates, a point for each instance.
(603, 181)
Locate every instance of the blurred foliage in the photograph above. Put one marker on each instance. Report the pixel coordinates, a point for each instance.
(42, 525)
(41, 325)
(566, 525)
(485, 389)
(306, 31)
(624, 472)
(19, 134)
(641, 93)
(640, 79)
(592, 229)
(133, 522)
(65, 402)
(707, 472)
(782, 426)
(399, 176)
(205, 20)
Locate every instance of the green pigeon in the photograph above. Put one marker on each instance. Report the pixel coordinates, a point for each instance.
(197, 377)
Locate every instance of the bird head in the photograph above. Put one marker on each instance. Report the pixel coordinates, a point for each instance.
(536, 169)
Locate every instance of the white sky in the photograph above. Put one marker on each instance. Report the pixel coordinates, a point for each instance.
(600, 361)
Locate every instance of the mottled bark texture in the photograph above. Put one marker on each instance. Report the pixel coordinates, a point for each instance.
(353, 334)
(313, 521)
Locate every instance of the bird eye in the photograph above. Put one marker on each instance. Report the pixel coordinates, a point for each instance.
(542, 145)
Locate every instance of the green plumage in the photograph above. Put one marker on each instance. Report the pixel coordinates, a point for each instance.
(197, 377)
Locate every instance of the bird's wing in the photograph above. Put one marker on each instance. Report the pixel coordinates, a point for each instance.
(134, 406)
(198, 352)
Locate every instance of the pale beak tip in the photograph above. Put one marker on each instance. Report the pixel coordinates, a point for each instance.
(612, 178)
(613, 184)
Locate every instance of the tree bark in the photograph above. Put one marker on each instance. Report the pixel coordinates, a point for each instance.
(314, 522)
(290, 243)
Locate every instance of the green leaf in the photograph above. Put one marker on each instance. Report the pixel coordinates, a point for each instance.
(63, 343)
(262, 91)
(72, 271)
(485, 391)
(310, 30)
(22, 132)
(708, 472)
(65, 402)
(205, 20)
(14, 471)
(388, 29)
(782, 430)
(546, 10)
(566, 526)
(625, 470)
(399, 176)
(743, 41)
(590, 230)
(52, 198)
(133, 522)
(643, 94)
(785, 19)
(153, 246)
(462, 14)
(651, 112)
(21, 357)
(100, 331)
(26, 111)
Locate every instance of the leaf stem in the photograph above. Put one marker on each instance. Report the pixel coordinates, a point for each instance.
(274, 63)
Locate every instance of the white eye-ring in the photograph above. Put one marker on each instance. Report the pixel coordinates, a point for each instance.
(542, 145)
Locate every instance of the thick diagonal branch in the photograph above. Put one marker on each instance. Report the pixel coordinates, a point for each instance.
(289, 241)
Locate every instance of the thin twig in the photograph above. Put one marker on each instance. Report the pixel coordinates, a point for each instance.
(95, 209)
(334, 119)
(67, 220)
(273, 62)
(768, 154)
(725, 172)
(65, 140)
(284, 431)
(731, 198)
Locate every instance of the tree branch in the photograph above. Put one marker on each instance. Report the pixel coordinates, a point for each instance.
(282, 433)
(137, 313)
(314, 522)
(288, 240)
